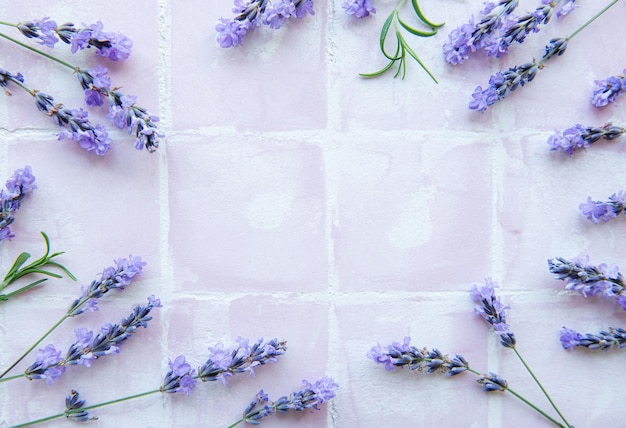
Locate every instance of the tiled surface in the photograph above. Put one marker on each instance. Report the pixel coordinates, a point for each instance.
(293, 199)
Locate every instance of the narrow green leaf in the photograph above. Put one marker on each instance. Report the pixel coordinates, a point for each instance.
(416, 58)
(421, 16)
(415, 31)
(19, 261)
(45, 272)
(64, 269)
(23, 289)
(379, 72)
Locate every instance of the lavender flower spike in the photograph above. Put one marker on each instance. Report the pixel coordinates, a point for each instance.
(89, 347)
(359, 8)
(404, 355)
(581, 137)
(607, 90)
(224, 363)
(73, 406)
(590, 280)
(599, 210)
(613, 338)
(493, 311)
(180, 378)
(310, 397)
(21, 183)
(116, 277)
(492, 382)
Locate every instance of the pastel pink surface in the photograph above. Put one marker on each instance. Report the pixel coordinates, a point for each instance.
(293, 199)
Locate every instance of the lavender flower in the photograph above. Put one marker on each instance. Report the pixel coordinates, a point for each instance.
(613, 338)
(607, 90)
(471, 37)
(493, 311)
(404, 355)
(114, 46)
(88, 346)
(599, 210)
(21, 183)
(590, 280)
(224, 363)
(250, 14)
(310, 397)
(116, 277)
(501, 83)
(359, 8)
(180, 378)
(73, 406)
(581, 137)
(492, 382)
(123, 109)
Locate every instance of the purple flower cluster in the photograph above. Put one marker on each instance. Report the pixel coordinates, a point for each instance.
(501, 83)
(123, 109)
(88, 346)
(21, 183)
(250, 14)
(607, 90)
(359, 8)
(493, 382)
(114, 46)
(310, 397)
(73, 406)
(581, 137)
(493, 311)
(615, 337)
(589, 280)
(180, 377)
(498, 29)
(224, 363)
(404, 355)
(599, 210)
(116, 277)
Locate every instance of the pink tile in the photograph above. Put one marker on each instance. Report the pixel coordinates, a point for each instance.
(407, 235)
(262, 201)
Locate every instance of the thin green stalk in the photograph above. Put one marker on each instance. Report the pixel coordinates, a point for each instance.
(524, 400)
(236, 423)
(39, 421)
(541, 386)
(40, 52)
(6, 379)
(593, 18)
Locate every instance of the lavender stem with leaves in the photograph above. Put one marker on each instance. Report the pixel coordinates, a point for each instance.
(580, 137)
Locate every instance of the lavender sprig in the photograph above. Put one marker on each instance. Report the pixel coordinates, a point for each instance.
(39, 266)
(88, 346)
(21, 183)
(224, 363)
(471, 37)
(615, 337)
(250, 14)
(74, 123)
(581, 137)
(359, 8)
(308, 398)
(502, 83)
(401, 355)
(491, 309)
(181, 378)
(590, 280)
(607, 90)
(604, 210)
(112, 278)
(114, 46)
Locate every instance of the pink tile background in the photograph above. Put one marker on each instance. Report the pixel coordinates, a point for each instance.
(293, 199)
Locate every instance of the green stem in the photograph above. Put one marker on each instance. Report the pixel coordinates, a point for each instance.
(593, 18)
(9, 24)
(236, 423)
(39, 421)
(6, 379)
(524, 400)
(40, 52)
(540, 386)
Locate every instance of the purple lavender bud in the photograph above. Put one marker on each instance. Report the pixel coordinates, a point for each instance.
(224, 363)
(566, 8)
(180, 378)
(607, 90)
(48, 365)
(404, 355)
(359, 8)
(492, 382)
(304, 8)
(116, 277)
(605, 340)
(21, 183)
(277, 13)
(493, 311)
(590, 280)
(116, 47)
(599, 210)
(43, 29)
(73, 406)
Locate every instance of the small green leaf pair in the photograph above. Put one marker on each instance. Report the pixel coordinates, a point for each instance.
(39, 266)
(402, 47)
